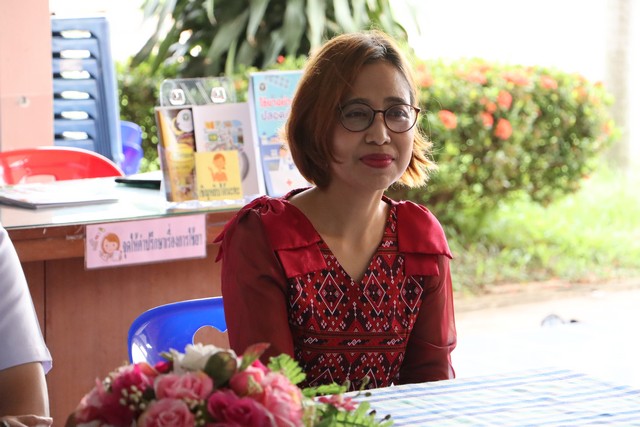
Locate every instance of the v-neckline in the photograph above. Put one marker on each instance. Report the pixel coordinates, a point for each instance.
(371, 260)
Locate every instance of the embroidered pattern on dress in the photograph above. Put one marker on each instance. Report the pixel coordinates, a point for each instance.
(345, 330)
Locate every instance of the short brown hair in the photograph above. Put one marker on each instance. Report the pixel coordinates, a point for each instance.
(325, 83)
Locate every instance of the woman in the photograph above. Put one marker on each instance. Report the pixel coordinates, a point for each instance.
(347, 281)
(24, 358)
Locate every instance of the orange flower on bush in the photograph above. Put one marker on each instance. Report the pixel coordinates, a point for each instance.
(487, 119)
(503, 129)
(425, 79)
(505, 99)
(548, 82)
(518, 79)
(475, 77)
(491, 107)
(448, 119)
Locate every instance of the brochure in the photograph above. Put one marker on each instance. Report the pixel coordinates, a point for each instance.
(270, 96)
(225, 131)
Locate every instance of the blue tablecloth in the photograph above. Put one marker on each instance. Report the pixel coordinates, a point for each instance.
(542, 397)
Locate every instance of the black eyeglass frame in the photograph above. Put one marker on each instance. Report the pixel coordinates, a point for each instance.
(384, 116)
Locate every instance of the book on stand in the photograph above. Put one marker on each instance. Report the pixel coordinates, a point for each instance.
(270, 96)
(226, 130)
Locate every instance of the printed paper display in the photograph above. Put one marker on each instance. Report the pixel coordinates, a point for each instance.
(270, 96)
(218, 175)
(176, 150)
(224, 127)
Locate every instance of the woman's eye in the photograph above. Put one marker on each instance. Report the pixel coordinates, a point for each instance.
(356, 114)
(398, 113)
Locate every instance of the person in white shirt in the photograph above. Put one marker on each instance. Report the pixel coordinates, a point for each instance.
(24, 356)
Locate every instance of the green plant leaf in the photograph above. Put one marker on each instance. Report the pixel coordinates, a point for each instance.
(343, 15)
(209, 7)
(257, 8)
(293, 26)
(316, 17)
(252, 353)
(284, 364)
(273, 48)
(226, 35)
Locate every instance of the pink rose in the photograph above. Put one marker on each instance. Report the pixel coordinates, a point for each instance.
(282, 399)
(248, 382)
(192, 385)
(167, 413)
(100, 405)
(339, 401)
(229, 410)
(140, 375)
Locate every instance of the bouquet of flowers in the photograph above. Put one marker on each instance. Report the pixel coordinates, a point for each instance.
(210, 386)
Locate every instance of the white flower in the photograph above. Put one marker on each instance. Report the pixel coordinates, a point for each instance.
(196, 355)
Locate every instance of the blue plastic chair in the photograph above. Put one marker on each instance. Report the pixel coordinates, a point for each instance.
(131, 147)
(172, 326)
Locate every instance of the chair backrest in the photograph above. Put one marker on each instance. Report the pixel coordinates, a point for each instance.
(131, 146)
(85, 89)
(61, 163)
(172, 326)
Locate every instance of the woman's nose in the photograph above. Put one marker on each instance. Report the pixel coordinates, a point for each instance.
(378, 133)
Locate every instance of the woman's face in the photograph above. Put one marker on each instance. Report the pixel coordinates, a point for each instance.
(376, 157)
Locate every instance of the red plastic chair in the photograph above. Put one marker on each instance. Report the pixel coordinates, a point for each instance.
(61, 163)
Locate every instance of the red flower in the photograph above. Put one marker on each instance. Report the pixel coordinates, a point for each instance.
(228, 409)
(487, 119)
(448, 119)
(339, 401)
(518, 79)
(548, 82)
(425, 79)
(505, 99)
(503, 129)
(280, 59)
(475, 76)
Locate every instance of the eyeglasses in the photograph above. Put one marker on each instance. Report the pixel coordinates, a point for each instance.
(398, 118)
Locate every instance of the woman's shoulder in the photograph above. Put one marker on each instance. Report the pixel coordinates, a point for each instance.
(284, 225)
(419, 230)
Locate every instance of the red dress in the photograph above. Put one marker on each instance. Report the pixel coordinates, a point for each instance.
(281, 284)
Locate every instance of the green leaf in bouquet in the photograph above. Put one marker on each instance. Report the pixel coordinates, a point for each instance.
(252, 353)
(288, 367)
(323, 390)
(221, 367)
(362, 416)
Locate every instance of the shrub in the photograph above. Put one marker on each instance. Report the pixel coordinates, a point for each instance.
(499, 130)
(138, 93)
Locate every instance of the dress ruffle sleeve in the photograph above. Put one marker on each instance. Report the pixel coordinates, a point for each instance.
(266, 238)
(433, 338)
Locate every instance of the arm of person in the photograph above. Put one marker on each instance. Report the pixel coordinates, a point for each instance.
(254, 290)
(428, 354)
(23, 390)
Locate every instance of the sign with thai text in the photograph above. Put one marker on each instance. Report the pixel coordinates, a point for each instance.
(145, 241)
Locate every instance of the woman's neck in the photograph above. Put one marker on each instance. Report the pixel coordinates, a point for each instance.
(338, 213)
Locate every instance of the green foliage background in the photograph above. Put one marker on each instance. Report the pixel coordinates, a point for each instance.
(515, 208)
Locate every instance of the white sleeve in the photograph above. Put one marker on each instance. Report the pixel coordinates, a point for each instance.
(21, 338)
